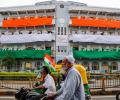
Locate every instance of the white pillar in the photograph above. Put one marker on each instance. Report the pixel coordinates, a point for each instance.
(90, 66)
(23, 66)
(118, 66)
(100, 67)
(33, 64)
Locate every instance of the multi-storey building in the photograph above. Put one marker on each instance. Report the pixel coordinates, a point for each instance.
(91, 34)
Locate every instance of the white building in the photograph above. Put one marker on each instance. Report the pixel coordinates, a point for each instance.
(91, 34)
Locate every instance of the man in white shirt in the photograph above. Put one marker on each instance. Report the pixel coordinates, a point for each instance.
(49, 82)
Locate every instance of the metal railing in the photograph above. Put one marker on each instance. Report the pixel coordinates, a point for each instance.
(16, 82)
(12, 84)
(95, 81)
(104, 81)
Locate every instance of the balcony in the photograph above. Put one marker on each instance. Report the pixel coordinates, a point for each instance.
(98, 39)
(26, 38)
(27, 31)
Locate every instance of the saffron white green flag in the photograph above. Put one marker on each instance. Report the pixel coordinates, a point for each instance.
(49, 62)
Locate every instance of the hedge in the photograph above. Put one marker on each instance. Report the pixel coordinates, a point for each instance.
(25, 76)
(17, 75)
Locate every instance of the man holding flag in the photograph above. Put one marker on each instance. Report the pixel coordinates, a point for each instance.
(49, 82)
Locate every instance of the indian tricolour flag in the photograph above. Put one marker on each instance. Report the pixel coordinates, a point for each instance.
(49, 62)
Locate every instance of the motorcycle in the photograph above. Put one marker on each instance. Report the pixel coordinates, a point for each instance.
(27, 94)
(118, 96)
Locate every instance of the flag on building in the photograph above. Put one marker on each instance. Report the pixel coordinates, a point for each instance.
(49, 62)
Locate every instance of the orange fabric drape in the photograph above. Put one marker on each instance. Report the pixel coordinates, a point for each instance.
(95, 22)
(27, 21)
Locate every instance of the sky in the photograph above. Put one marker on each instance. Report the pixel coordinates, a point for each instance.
(100, 3)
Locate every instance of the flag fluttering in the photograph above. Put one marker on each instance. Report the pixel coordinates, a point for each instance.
(49, 62)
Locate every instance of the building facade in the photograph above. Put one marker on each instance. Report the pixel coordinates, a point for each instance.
(91, 34)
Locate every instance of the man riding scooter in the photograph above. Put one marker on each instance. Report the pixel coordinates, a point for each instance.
(48, 86)
(49, 82)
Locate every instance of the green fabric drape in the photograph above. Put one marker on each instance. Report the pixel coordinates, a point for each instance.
(96, 54)
(24, 53)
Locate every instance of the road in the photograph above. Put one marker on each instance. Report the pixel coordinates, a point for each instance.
(103, 98)
(93, 98)
(7, 98)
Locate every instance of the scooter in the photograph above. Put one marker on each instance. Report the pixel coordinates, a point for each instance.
(118, 96)
(27, 94)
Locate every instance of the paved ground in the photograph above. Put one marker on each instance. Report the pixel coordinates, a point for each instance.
(93, 98)
(103, 98)
(7, 98)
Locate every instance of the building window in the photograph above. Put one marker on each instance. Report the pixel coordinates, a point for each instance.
(114, 66)
(61, 6)
(102, 33)
(58, 49)
(61, 30)
(12, 33)
(58, 30)
(65, 31)
(18, 65)
(62, 49)
(40, 32)
(12, 48)
(3, 33)
(86, 65)
(20, 32)
(110, 33)
(105, 66)
(95, 66)
(48, 48)
(49, 32)
(30, 32)
(30, 48)
(28, 65)
(75, 48)
(38, 64)
(65, 50)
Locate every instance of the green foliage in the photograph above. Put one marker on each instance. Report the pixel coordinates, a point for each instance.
(17, 76)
